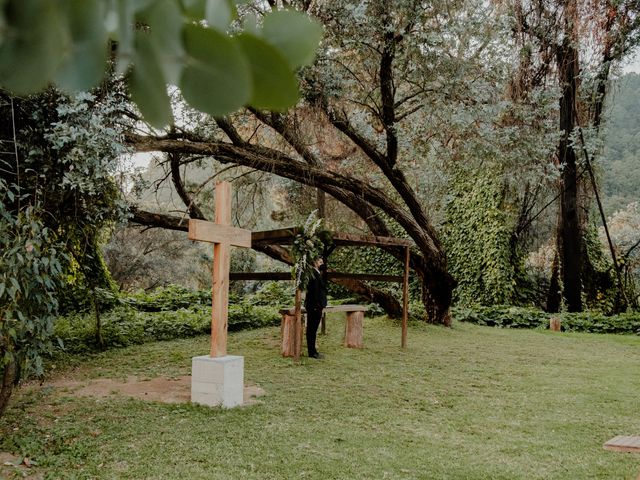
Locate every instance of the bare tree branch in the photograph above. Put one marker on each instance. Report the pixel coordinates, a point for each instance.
(192, 207)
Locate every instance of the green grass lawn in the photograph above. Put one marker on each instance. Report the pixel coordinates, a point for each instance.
(463, 403)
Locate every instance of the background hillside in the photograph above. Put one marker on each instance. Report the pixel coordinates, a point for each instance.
(621, 160)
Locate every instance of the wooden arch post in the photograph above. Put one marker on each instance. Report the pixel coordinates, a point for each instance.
(405, 298)
(297, 327)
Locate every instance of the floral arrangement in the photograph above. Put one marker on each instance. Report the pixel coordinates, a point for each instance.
(308, 246)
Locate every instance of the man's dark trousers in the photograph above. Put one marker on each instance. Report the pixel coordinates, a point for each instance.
(313, 320)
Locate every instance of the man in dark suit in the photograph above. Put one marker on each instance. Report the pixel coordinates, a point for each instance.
(314, 303)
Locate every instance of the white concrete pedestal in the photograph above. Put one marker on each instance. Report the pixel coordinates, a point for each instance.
(217, 381)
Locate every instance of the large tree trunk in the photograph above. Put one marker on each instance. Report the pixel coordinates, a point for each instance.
(570, 233)
(436, 297)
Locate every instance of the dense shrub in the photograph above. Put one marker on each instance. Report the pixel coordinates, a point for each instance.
(124, 325)
(599, 323)
(276, 294)
(502, 316)
(521, 317)
(172, 297)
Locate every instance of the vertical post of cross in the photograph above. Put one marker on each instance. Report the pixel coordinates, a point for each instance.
(220, 275)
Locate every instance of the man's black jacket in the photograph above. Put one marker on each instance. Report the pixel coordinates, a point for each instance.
(316, 298)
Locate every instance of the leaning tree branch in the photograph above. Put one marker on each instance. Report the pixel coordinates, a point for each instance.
(231, 132)
(272, 161)
(157, 220)
(387, 301)
(193, 209)
(428, 262)
(630, 250)
(357, 204)
(393, 174)
(278, 123)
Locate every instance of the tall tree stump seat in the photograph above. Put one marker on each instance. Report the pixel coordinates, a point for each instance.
(353, 330)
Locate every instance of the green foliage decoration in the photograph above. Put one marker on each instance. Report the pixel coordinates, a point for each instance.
(308, 246)
(157, 43)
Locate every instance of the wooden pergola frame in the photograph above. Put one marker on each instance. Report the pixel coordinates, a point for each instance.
(286, 236)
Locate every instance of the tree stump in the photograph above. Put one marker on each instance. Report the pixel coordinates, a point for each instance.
(554, 324)
(288, 332)
(353, 330)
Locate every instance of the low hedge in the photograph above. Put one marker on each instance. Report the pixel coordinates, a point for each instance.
(169, 298)
(125, 325)
(505, 316)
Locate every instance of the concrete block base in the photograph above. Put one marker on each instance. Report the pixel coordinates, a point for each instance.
(217, 381)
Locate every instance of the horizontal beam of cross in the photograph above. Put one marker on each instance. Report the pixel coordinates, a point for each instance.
(204, 231)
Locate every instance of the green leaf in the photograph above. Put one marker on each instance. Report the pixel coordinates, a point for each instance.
(274, 85)
(138, 5)
(165, 35)
(295, 34)
(219, 14)
(120, 20)
(85, 62)
(33, 45)
(216, 79)
(194, 8)
(250, 23)
(147, 85)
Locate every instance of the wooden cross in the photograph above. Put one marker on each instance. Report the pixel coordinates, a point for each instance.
(223, 236)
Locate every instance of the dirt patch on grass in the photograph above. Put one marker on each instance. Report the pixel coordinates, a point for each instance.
(12, 466)
(159, 389)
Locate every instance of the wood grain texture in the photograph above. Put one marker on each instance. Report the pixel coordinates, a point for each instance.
(220, 300)
(353, 332)
(288, 333)
(624, 443)
(223, 236)
(204, 231)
